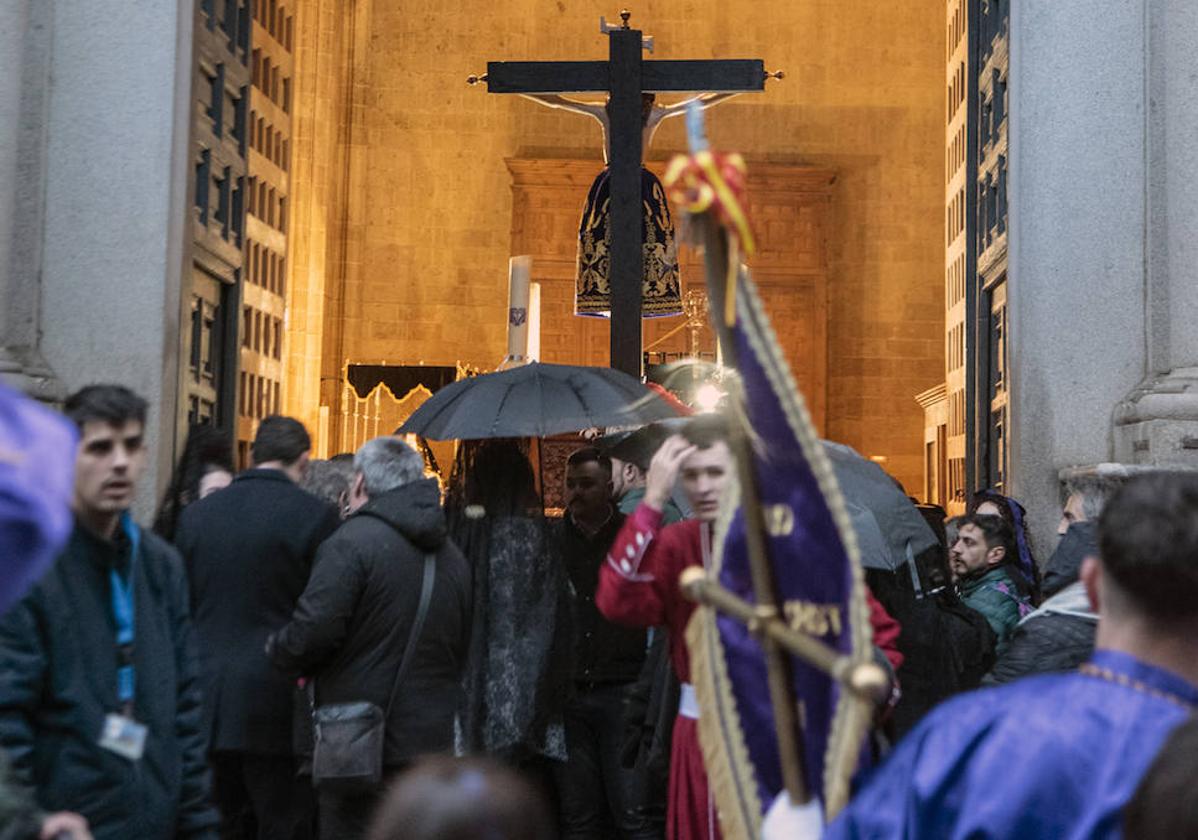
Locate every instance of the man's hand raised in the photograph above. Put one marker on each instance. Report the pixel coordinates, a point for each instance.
(663, 470)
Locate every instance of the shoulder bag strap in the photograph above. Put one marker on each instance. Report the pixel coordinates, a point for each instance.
(426, 596)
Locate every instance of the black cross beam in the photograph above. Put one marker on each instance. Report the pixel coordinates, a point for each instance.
(625, 76)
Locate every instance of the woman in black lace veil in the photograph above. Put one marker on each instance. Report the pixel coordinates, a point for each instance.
(519, 667)
(205, 466)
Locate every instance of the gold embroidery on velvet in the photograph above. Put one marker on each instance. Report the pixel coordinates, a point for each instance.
(661, 289)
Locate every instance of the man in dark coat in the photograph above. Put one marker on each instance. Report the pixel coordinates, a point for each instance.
(352, 623)
(600, 798)
(1086, 494)
(249, 550)
(99, 686)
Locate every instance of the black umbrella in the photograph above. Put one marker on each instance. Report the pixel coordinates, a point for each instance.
(535, 400)
(883, 511)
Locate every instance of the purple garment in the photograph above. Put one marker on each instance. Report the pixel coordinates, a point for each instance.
(1052, 756)
(37, 467)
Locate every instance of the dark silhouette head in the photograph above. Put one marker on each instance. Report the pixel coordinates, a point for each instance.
(1148, 544)
(208, 450)
(494, 475)
(443, 798)
(280, 439)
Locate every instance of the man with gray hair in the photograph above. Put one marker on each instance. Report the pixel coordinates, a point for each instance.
(1086, 494)
(329, 480)
(352, 625)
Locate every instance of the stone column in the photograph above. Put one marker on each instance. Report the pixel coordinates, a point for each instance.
(95, 105)
(25, 32)
(1102, 207)
(1157, 423)
(326, 35)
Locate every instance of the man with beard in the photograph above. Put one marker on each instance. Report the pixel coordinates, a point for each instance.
(980, 558)
(598, 795)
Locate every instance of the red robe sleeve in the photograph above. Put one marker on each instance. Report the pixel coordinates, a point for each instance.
(630, 588)
(886, 631)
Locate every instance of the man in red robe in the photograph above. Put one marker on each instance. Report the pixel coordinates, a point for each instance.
(638, 586)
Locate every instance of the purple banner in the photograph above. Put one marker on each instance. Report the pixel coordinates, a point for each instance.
(810, 543)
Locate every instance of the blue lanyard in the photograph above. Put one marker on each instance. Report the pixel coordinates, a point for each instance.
(122, 611)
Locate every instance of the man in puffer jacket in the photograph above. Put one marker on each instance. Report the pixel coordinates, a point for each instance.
(1060, 635)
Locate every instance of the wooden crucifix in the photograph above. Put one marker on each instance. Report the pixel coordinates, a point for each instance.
(624, 77)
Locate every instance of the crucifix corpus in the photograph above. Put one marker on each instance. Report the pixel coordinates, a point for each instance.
(626, 78)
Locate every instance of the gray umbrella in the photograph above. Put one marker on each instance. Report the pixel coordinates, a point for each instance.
(535, 400)
(895, 519)
(871, 545)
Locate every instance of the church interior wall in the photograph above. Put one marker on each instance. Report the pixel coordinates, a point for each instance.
(424, 225)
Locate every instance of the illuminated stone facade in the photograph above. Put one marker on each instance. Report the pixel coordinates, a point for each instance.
(214, 271)
(405, 204)
(268, 209)
(123, 258)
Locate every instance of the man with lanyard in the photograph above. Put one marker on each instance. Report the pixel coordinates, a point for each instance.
(99, 699)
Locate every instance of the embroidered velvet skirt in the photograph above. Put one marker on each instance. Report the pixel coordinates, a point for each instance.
(660, 288)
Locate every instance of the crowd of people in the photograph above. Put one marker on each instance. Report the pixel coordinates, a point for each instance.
(512, 671)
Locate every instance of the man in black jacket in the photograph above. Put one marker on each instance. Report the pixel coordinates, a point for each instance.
(99, 687)
(249, 550)
(1059, 636)
(600, 798)
(353, 621)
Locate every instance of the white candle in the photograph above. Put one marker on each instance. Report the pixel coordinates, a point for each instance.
(534, 322)
(519, 271)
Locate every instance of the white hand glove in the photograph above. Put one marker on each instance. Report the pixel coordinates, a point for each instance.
(788, 821)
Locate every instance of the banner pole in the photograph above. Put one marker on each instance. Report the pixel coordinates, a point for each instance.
(720, 262)
(865, 679)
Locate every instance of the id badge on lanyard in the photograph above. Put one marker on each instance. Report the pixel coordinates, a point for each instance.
(122, 734)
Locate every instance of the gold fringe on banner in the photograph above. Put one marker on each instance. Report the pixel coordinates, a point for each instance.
(721, 735)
